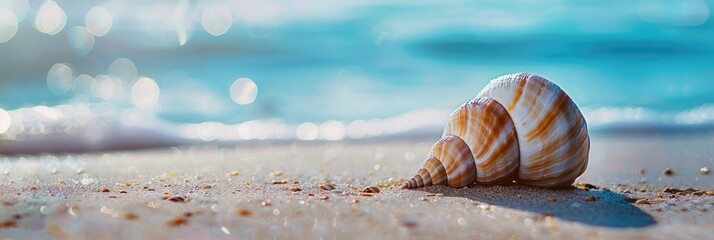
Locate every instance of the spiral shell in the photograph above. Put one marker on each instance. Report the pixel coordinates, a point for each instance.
(520, 127)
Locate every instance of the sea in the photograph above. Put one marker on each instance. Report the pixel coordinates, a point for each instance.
(131, 74)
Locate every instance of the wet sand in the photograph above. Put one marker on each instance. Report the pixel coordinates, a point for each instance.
(265, 191)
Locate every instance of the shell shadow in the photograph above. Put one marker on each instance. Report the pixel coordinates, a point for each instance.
(609, 209)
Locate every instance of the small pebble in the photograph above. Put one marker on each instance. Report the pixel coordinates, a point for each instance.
(671, 190)
(439, 195)
(324, 198)
(209, 186)
(423, 199)
(176, 199)
(643, 202)
(266, 204)
(295, 189)
(244, 213)
(591, 198)
(8, 224)
(553, 199)
(710, 193)
(355, 200)
(704, 170)
(233, 174)
(364, 194)
(668, 172)
(327, 187)
(105, 190)
(430, 194)
(122, 191)
(642, 171)
(586, 186)
(277, 174)
(410, 224)
(371, 189)
(131, 216)
(33, 188)
(280, 182)
(311, 194)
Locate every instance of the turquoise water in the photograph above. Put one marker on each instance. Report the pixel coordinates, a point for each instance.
(348, 60)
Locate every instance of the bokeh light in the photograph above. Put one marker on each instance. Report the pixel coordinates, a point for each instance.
(216, 20)
(5, 121)
(50, 18)
(8, 25)
(249, 130)
(98, 21)
(60, 78)
(82, 85)
(106, 87)
(332, 130)
(81, 40)
(307, 131)
(244, 91)
(123, 68)
(19, 7)
(375, 127)
(208, 131)
(145, 93)
(357, 129)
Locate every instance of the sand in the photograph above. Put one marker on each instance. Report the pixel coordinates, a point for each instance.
(266, 190)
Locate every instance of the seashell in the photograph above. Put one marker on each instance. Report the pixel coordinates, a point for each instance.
(371, 189)
(520, 127)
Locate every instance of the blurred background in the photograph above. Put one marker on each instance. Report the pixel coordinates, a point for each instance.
(104, 75)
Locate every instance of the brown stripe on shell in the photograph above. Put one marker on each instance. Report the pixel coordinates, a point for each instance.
(553, 149)
(564, 178)
(425, 176)
(436, 170)
(519, 91)
(559, 108)
(457, 159)
(534, 102)
(419, 181)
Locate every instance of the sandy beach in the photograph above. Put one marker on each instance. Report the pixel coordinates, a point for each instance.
(261, 190)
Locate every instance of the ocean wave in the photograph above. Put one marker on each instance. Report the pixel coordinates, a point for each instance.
(106, 127)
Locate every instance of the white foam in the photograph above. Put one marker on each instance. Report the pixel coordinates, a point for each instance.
(104, 126)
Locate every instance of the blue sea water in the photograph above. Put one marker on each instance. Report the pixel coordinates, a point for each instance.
(620, 61)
